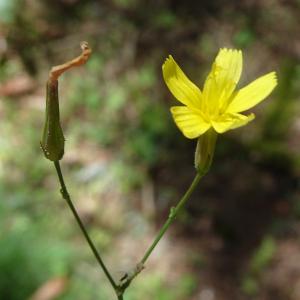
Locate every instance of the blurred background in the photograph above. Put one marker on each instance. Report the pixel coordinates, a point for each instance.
(126, 163)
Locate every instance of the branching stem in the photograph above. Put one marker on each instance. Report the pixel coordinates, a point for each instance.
(125, 281)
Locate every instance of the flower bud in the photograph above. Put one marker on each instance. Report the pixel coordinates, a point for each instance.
(53, 141)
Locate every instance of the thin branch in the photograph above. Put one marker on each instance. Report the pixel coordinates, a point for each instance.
(67, 197)
(127, 279)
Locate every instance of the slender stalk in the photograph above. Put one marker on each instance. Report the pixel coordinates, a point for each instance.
(172, 216)
(124, 284)
(67, 197)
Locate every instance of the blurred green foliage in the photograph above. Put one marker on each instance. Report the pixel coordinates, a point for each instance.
(27, 258)
(261, 258)
(154, 287)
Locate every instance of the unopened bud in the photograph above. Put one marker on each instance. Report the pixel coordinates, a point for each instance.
(53, 141)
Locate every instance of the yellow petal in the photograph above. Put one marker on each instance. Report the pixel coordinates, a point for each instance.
(253, 93)
(222, 79)
(231, 121)
(180, 86)
(191, 124)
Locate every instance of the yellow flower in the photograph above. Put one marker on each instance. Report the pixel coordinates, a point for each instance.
(218, 106)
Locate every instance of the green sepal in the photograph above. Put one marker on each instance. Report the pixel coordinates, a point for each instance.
(205, 151)
(53, 141)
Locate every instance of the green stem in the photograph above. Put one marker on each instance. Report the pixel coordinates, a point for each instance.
(124, 284)
(172, 216)
(67, 197)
